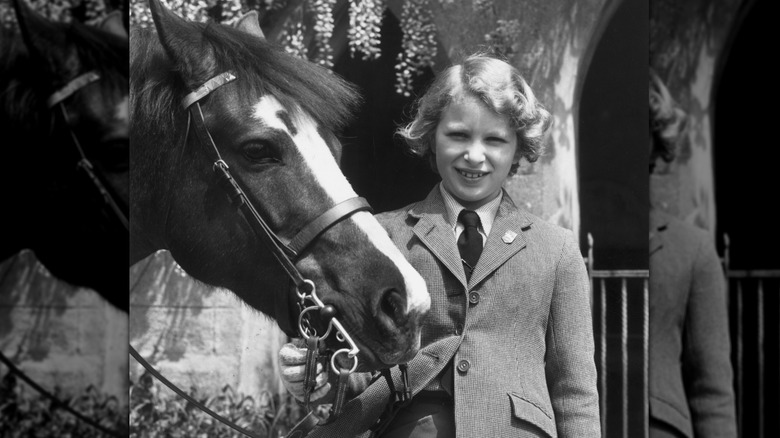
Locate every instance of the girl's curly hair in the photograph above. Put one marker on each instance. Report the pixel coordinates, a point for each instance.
(500, 87)
(667, 121)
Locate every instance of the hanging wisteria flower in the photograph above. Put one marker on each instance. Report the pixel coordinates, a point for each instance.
(95, 11)
(323, 31)
(482, 6)
(418, 46)
(292, 40)
(54, 10)
(192, 10)
(365, 24)
(139, 14)
(7, 19)
(231, 10)
(506, 36)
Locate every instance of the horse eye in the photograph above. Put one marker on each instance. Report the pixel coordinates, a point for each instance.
(259, 153)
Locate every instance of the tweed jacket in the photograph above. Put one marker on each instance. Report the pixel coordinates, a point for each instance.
(519, 332)
(690, 372)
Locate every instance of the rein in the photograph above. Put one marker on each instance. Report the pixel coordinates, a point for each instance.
(13, 369)
(308, 301)
(57, 99)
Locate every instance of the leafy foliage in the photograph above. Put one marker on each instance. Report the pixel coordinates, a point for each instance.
(25, 415)
(154, 413)
(308, 26)
(85, 11)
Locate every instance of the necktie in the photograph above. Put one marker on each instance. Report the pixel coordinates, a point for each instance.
(470, 241)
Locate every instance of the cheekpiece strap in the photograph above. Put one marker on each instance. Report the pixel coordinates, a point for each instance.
(71, 87)
(204, 90)
(310, 369)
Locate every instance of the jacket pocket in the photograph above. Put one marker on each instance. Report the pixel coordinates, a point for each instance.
(526, 411)
(672, 415)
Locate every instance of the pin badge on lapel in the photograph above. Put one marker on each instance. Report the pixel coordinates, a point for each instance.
(509, 237)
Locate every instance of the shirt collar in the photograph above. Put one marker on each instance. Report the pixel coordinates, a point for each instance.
(487, 213)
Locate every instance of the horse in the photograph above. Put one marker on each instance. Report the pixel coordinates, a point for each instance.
(64, 118)
(206, 97)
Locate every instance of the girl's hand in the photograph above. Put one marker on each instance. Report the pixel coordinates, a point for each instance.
(292, 360)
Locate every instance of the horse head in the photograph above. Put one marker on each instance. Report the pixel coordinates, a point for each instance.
(272, 123)
(64, 113)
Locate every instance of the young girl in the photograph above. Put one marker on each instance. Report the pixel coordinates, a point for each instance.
(508, 347)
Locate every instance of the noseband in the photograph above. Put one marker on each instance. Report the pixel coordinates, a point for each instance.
(58, 98)
(308, 301)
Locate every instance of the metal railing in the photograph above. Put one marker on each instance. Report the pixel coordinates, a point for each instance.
(619, 299)
(619, 296)
(751, 319)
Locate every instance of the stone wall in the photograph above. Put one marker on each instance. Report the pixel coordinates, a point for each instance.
(60, 335)
(687, 42)
(196, 335)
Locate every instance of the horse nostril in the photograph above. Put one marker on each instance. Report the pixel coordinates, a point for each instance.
(392, 304)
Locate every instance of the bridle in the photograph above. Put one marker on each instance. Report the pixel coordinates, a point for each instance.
(58, 99)
(283, 253)
(308, 302)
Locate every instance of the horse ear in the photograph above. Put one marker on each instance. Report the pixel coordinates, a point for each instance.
(184, 44)
(250, 23)
(113, 24)
(43, 39)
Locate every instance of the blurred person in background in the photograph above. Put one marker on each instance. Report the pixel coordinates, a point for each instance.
(690, 374)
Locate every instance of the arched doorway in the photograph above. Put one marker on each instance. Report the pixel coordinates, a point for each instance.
(613, 142)
(746, 158)
(613, 176)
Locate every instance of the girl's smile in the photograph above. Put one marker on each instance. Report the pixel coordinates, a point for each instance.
(475, 150)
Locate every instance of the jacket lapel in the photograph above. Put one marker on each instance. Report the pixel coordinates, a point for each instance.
(506, 238)
(658, 224)
(434, 231)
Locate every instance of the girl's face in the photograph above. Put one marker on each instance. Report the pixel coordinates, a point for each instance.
(475, 149)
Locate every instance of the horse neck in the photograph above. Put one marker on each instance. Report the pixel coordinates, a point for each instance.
(20, 188)
(13, 241)
(152, 154)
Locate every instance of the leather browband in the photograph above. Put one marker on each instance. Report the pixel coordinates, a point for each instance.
(76, 84)
(210, 85)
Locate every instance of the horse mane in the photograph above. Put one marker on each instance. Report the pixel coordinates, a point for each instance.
(20, 100)
(297, 84)
(101, 51)
(25, 85)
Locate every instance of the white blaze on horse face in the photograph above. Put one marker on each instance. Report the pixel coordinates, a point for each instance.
(323, 166)
(121, 119)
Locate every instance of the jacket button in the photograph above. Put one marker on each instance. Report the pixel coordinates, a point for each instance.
(463, 366)
(458, 329)
(473, 297)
